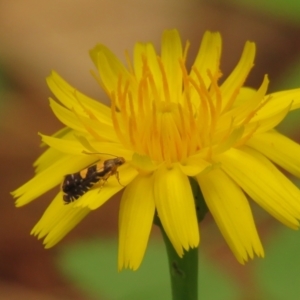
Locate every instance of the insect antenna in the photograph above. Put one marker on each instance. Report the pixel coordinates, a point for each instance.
(86, 152)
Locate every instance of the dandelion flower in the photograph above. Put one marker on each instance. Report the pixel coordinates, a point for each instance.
(169, 124)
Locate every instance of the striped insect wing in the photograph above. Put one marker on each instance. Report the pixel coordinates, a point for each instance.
(77, 184)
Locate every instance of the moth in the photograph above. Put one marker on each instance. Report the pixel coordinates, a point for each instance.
(77, 184)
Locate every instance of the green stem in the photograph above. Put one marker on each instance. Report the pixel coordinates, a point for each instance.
(183, 272)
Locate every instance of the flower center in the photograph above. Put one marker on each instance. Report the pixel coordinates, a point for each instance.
(160, 132)
(168, 122)
(153, 121)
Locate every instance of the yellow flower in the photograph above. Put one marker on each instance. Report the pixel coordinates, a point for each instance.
(169, 124)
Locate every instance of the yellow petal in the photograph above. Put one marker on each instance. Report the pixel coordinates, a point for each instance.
(176, 208)
(57, 221)
(208, 57)
(82, 123)
(245, 94)
(63, 145)
(146, 51)
(62, 133)
(269, 121)
(238, 76)
(73, 99)
(286, 183)
(265, 185)
(46, 159)
(231, 211)
(50, 177)
(135, 221)
(75, 147)
(280, 149)
(109, 67)
(171, 54)
(66, 116)
(242, 110)
(194, 165)
(97, 196)
(279, 101)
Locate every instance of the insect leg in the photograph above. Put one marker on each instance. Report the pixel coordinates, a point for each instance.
(118, 178)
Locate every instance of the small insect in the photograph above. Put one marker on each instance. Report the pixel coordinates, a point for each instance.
(77, 184)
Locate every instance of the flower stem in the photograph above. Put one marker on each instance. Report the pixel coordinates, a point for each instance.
(183, 272)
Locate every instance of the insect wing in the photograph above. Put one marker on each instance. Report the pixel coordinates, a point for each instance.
(77, 184)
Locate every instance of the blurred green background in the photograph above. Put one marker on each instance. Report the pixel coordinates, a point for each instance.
(38, 36)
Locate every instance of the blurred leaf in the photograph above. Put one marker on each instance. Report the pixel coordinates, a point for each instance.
(92, 265)
(290, 80)
(287, 9)
(3, 87)
(290, 124)
(278, 273)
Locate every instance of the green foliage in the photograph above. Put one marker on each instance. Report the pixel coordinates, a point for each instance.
(288, 10)
(278, 273)
(290, 80)
(92, 265)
